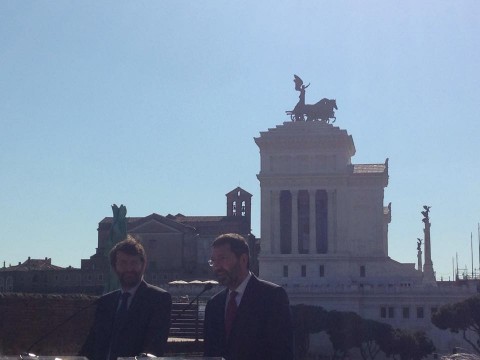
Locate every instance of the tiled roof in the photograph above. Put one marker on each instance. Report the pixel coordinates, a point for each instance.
(109, 220)
(179, 218)
(237, 189)
(206, 225)
(35, 264)
(199, 218)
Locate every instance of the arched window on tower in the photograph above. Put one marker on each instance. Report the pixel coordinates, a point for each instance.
(244, 211)
(234, 208)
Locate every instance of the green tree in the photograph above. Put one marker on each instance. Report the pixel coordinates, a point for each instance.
(411, 346)
(376, 337)
(425, 345)
(307, 319)
(345, 332)
(461, 317)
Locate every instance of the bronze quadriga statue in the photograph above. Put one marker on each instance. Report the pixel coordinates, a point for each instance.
(321, 111)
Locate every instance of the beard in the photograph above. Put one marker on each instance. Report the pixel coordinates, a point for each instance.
(223, 277)
(129, 279)
(229, 278)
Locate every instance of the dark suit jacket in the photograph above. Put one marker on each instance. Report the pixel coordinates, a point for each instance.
(145, 330)
(262, 328)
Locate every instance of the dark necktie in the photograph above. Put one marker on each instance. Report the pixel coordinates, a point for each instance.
(120, 317)
(230, 313)
(122, 310)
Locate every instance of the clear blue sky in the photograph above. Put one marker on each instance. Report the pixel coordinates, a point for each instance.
(155, 104)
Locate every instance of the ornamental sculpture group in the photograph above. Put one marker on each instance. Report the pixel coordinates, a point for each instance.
(321, 111)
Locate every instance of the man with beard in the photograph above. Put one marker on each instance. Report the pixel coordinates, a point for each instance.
(250, 319)
(134, 319)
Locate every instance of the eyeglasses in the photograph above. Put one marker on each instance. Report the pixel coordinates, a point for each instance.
(220, 259)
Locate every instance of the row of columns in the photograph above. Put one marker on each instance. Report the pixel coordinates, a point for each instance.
(271, 221)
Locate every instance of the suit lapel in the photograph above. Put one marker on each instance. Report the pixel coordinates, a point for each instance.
(247, 298)
(137, 298)
(115, 301)
(221, 309)
(137, 303)
(242, 315)
(110, 310)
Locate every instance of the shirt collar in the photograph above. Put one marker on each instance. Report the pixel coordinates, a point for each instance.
(132, 291)
(241, 288)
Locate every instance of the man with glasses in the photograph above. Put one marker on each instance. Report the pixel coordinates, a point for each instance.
(134, 319)
(250, 319)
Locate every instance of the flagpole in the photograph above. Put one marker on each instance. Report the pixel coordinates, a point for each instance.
(471, 249)
(478, 224)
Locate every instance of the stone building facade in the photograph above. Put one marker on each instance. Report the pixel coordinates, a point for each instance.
(321, 209)
(177, 247)
(324, 233)
(41, 276)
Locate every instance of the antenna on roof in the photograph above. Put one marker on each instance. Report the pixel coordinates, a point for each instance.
(456, 276)
(453, 268)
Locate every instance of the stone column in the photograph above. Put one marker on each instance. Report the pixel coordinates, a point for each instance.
(266, 222)
(294, 221)
(275, 246)
(332, 221)
(312, 245)
(428, 273)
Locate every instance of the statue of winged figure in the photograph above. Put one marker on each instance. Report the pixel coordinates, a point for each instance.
(322, 110)
(300, 87)
(426, 212)
(419, 244)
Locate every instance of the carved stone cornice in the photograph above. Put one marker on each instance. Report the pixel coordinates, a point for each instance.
(303, 182)
(315, 136)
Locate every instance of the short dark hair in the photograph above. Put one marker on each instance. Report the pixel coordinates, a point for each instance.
(237, 243)
(130, 246)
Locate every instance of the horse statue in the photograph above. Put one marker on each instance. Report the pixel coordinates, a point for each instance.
(321, 111)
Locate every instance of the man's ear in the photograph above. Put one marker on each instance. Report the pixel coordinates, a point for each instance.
(244, 260)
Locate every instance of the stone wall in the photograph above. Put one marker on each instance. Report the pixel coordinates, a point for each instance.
(25, 318)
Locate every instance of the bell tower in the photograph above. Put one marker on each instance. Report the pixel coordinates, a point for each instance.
(239, 203)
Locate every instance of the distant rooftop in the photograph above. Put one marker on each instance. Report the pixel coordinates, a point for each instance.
(34, 264)
(179, 218)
